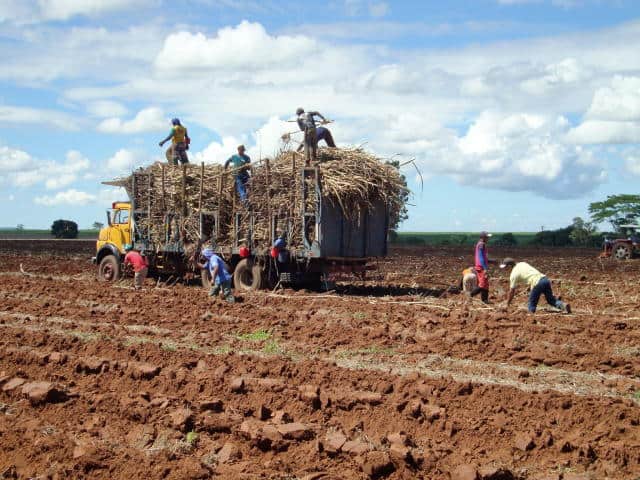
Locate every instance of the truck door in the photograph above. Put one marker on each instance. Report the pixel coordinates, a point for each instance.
(121, 228)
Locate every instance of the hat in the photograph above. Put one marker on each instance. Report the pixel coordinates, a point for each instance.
(484, 234)
(175, 121)
(299, 111)
(207, 253)
(128, 247)
(507, 262)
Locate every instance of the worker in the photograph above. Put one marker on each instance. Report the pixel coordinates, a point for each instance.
(524, 274)
(180, 142)
(322, 133)
(469, 281)
(220, 276)
(482, 266)
(241, 164)
(139, 264)
(307, 124)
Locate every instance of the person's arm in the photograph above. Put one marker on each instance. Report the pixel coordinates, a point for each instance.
(167, 139)
(214, 273)
(483, 258)
(318, 114)
(510, 295)
(229, 160)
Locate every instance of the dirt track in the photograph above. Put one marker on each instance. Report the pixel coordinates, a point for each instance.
(295, 385)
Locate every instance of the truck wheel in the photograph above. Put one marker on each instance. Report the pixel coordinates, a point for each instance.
(247, 275)
(109, 269)
(622, 252)
(205, 277)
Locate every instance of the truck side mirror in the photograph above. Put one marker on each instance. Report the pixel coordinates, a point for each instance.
(108, 218)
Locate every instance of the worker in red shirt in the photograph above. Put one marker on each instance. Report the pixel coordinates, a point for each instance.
(139, 264)
(482, 266)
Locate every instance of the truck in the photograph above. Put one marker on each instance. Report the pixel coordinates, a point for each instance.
(257, 244)
(623, 248)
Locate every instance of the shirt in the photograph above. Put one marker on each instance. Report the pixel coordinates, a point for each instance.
(223, 275)
(135, 259)
(238, 160)
(178, 134)
(306, 120)
(524, 274)
(482, 257)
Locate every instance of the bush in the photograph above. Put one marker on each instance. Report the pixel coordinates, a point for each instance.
(505, 240)
(64, 229)
(553, 238)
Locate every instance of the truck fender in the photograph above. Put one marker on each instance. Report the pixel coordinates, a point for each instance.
(108, 249)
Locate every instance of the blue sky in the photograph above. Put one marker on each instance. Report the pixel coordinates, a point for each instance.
(519, 113)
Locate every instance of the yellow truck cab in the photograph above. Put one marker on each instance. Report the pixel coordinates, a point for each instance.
(111, 241)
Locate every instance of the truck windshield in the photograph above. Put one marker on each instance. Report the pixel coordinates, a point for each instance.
(121, 216)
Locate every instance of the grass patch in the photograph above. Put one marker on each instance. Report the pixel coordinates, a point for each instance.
(257, 336)
(372, 350)
(359, 316)
(133, 340)
(221, 350)
(636, 395)
(85, 336)
(169, 346)
(191, 438)
(272, 347)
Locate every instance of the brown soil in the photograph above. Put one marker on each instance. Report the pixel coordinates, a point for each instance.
(393, 378)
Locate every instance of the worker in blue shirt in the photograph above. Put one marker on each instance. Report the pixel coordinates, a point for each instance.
(241, 164)
(220, 276)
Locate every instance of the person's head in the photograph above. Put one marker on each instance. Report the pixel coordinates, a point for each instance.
(128, 247)
(484, 235)
(241, 149)
(175, 121)
(299, 111)
(508, 263)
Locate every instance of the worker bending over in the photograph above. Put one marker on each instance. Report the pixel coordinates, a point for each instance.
(524, 274)
(322, 133)
(241, 164)
(139, 264)
(180, 142)
(307, 123)
(469, 281)
(220, 276)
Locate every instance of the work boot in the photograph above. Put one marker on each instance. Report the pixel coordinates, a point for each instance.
(230, 299)
(567, 308)
(214, 291)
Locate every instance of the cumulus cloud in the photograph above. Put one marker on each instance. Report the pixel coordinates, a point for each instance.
(593, 132)
(246, 45)
(71, 197)
(122, 161)
(10, 114)
(106, 108)
(620, 101)
(14, 160)
(150, 119)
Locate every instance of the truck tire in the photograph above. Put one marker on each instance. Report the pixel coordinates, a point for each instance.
(109, 269)
(205, 277)
(621, 251)
(247, 275)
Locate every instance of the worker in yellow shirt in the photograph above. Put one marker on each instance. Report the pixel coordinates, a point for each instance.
(524, 274)
(180, 142)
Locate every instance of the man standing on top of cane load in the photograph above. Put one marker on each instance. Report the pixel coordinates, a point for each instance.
(524, 274)
(482, 266)
(241, 164)
(307, 123)
(180, 142)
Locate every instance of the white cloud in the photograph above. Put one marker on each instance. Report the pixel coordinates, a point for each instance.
(32, 11)
(150, 119)
(68, 197)
(378, 9)
(10, 114)
(14, 160)
(122, 161)
(619, 102)
(246, 45)
(592, 132)
(106, 108)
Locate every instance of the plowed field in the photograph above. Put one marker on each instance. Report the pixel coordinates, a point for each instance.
(394, 378)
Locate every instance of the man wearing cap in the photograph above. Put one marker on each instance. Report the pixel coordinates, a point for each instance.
(241, 165)
(220, 276)
(482, 266)
(180, 142)
(307, 123)
(524, 274)
(139, 264)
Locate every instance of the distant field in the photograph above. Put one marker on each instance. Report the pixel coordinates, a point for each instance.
(455, 238)
(12, 233)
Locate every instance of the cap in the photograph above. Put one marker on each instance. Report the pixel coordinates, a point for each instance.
(128, 247)
(299, 110)
(207, 253)
(484, 234)
(507, 262)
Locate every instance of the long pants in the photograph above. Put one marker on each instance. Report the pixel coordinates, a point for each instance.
(226, 290)
(310, 145)
(180, 153)
(543, 287)
(241, 187)
(139, 278)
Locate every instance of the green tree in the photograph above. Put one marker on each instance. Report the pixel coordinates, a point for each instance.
(97, 225)
(64, 229)
(505, 240)
(20, 227)
(617, 210)
(581, 232)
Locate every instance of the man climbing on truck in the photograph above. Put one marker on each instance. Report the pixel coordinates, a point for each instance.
(241, 165)
(307, 123)
(220, 276)
(139, 264)
(522, 273)
(481, 255)
(322, 133)
(180, 142)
